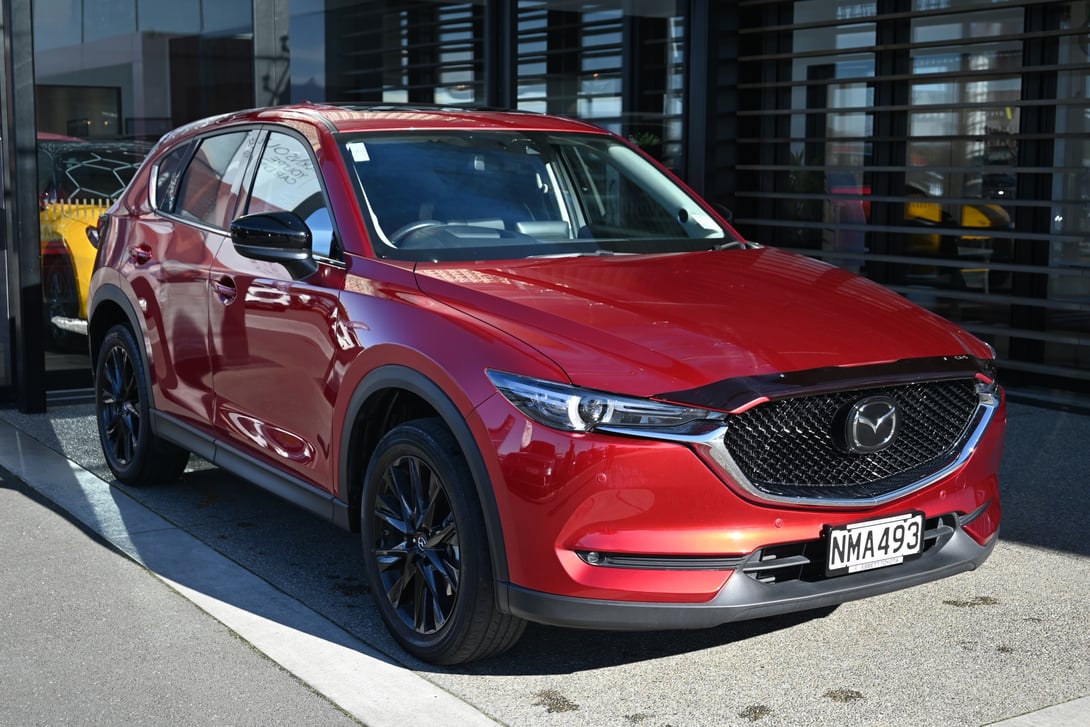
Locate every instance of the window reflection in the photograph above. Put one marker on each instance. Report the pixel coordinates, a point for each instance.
(399, 51)
(616, 63)
(108, 75)
(620, 65)
(1069, 246)
(962, 154)
(827, 191)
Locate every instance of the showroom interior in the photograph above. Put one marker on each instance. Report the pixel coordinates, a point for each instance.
(939, 147)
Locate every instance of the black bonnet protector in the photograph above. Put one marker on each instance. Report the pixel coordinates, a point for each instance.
(737, 394)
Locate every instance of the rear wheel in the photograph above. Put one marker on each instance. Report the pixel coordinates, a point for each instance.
(425, 552)
(122, 407)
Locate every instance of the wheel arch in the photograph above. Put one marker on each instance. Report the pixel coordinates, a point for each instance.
(110, 307)
(393, 394)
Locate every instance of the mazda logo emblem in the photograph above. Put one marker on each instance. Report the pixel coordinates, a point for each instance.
(871, 424)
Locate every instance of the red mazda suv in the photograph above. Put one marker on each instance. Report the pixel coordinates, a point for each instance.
(542, 378)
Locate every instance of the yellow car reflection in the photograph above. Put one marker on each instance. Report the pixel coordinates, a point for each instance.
(77, 182)
(975, 233)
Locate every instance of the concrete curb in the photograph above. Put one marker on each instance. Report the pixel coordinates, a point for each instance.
(1075, 712)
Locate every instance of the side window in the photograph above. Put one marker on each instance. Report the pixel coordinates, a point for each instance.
(208, 189)
(287, 181)
(168, 171)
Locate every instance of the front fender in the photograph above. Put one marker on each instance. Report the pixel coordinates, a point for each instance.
(353, 455)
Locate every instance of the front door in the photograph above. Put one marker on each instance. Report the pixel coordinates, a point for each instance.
(273, 343)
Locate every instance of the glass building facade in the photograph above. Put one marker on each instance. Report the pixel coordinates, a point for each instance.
(940, 147)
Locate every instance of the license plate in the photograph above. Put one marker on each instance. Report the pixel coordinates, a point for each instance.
(874, 543)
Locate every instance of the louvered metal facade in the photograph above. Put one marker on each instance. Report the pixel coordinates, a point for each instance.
(940, 147)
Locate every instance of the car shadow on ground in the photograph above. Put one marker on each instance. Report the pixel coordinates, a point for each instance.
(545, 650)
(1044, 481)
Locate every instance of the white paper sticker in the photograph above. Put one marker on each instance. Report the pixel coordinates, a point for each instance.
(358, 150)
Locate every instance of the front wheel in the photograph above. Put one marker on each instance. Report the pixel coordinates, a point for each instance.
(122, 407)
(425, 553)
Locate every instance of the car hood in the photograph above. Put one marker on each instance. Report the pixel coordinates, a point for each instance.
(648, 324)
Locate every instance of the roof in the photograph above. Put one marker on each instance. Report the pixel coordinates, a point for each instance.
(391, 117)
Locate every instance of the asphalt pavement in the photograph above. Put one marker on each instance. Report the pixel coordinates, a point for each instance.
(209, 602)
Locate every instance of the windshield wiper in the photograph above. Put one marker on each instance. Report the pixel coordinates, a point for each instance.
(599, 252)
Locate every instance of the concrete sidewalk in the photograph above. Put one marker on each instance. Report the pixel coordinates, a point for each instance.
(110, 614)
(90, 637)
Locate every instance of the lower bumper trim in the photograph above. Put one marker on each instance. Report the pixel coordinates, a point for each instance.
(743, 598)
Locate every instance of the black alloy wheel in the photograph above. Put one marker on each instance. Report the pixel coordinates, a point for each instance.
(425, 551)
(122, 404)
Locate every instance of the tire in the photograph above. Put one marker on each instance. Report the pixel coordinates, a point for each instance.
(60, 298)
(426, 556)
(122, 408)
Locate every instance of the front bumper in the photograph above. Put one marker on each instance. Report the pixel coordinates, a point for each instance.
(744, 597)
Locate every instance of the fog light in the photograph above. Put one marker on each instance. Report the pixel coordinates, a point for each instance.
(593, 557)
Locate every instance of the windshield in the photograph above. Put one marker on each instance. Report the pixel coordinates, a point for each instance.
(485, 195)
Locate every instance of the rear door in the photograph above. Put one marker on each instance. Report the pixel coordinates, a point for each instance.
(196, 191)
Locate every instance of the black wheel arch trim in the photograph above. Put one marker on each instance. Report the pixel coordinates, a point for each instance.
(113, 294)
(394, 376)
(110, 293)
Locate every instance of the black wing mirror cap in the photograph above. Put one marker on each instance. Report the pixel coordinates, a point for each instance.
(277, 237)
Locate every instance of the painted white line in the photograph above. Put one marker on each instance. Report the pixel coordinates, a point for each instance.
(344, 669)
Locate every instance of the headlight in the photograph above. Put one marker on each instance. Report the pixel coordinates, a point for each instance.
(581, 410)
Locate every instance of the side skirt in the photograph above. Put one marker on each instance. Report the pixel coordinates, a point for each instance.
(293, 489)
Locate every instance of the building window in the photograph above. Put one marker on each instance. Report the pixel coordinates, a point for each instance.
(396, 51)
(619, 65)
(107, 76)
(936, 146)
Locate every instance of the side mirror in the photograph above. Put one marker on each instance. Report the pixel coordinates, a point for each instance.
(277, 237)
(96, 233)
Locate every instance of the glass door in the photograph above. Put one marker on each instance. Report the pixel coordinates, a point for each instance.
(110, 78)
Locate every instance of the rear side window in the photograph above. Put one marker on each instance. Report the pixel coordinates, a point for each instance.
(208, 188)
(168, 172)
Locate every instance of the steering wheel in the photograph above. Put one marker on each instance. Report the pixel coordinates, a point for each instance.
(402, 232)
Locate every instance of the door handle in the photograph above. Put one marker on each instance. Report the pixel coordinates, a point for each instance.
(140, 254)
(225, 289)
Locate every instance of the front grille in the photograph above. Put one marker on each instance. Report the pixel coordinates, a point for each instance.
(790, 447)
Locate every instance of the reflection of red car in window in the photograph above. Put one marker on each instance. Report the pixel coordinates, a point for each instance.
(542, 379)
